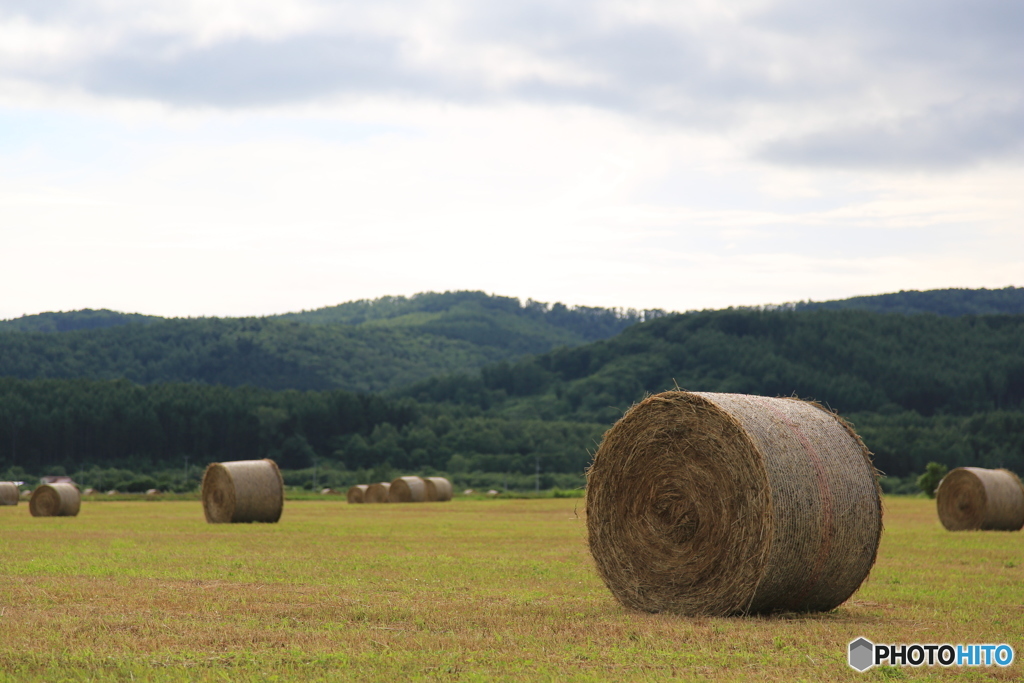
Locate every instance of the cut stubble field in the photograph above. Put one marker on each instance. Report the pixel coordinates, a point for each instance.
(472, 590)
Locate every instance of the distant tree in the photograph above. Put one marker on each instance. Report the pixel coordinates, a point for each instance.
(929, 481)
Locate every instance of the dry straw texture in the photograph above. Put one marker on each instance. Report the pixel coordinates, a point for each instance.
(9, 493)
(378, 493)
(439, 489)
(243, 491)
(357, 493)
(408, 490)
(55, 500)
(976, 498)
(720, 504)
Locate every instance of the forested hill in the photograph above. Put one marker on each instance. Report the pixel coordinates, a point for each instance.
(70, 321)
(902, 377)
(361, 346)
(952, 302)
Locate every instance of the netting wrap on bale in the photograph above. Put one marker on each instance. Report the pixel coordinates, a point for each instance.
(9, 493)
(243, 491)
(721, 504)
(357, 493)
(975, 498)
(439, 489)
(408, 490)
(378, 493)
(55, 500)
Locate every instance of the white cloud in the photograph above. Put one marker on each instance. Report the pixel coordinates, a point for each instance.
(257, 157)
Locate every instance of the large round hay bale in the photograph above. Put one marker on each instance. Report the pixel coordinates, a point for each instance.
(55, 500)
(243, 491)
(720, 504)
(378, 493)
(357, 493)
(439, 489)
(408, 490)
(9, 493)
(976, 498)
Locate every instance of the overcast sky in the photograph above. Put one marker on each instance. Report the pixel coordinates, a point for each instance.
(214, 157)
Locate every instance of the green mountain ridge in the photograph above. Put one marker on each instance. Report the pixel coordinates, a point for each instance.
(361, 346)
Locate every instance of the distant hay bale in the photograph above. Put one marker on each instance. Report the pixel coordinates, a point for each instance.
(55, 500)
(439, 489)
(977, 498)
(243, 491)
(408, 490)
(152, 492)
(357, 493)
(25, 495)
(378, 493)
(9, 493)
(723, 504)
(492, 493)
(89, 492)
(112, 492)
(468, 492)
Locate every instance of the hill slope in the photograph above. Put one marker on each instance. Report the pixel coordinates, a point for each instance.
(362, 346)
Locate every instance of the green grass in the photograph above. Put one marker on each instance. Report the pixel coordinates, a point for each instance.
(472, 590)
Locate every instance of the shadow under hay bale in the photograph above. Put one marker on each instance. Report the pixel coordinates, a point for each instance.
(357, 493)
(408, 490)
(9, 493)
(243, 491)
(55, 500)
(723, 504)
(439, 489)
(378, 493)
(971, 498)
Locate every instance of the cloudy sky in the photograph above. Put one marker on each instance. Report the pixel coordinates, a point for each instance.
(222, 157)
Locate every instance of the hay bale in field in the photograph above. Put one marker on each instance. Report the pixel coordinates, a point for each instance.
(468, 492)
(357, 493)
(977, 498)
(89, 492)
(55, 500)
(721, 504)
(408, 490)
(243, 491)
(492, 493)
(9, 493)
(152, 492)
(439, 489)
(378, 493)
(112, 492)
(25, 495)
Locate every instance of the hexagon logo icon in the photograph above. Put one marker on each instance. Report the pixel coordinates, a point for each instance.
(862, 654)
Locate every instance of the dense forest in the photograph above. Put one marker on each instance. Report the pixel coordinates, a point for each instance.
(361, 346)
(919, 388)
(952, 302)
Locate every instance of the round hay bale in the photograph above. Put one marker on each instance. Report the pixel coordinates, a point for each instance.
(9, 493)
(89, 492)
(152, 492)
(408, 490)
(55, 500)
(977, 498)
(722, 504)
(243, 491)
(378, 493)
(25, 495)
(439, 489)
(357, 493)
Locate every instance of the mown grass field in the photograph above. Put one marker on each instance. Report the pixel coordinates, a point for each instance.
(472, 590)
